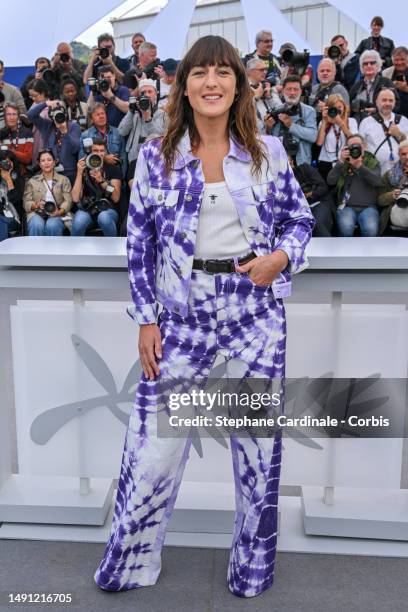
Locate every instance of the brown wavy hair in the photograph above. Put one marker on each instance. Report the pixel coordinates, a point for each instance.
(242, 123)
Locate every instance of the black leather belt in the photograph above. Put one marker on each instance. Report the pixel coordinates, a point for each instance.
(215, 266)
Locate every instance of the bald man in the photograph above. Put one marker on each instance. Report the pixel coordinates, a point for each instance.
(64, 65)
(326, 74)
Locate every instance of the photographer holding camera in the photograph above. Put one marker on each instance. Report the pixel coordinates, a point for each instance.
(47, 199)
(356, 177)
(11, 193)
(393, 196)
(40, 64)
(294, 123)
(393, 193)
(376, 42)
(96, 191)
(326, 72)
(104, 55)
(16, 136)
(335, 127)
(296, 64)
(115, 97)
(263, 52)
(137, 40)
(100, 129)
(384, 130)
(265, 96)
(398, 73)
(363, 94)
(347, 63)
(9, 93)
(143, 118)
(75, 109)
(66, 67)
(317, 195)
(58, 134)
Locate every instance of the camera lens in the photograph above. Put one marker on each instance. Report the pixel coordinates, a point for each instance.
(48, 75)
(334, 52)
(49, 207)
(64, 57)
(94, 161)
(104, 53)
(104, 84)
(59, 117)
(333, 112)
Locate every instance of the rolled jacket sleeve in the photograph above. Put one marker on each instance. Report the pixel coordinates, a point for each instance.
(141, 248)
(294, 220)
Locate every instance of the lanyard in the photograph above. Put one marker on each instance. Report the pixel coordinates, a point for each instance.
(387, 139)
(50, 189)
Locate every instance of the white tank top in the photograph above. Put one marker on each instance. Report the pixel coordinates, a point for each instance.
(219, 233)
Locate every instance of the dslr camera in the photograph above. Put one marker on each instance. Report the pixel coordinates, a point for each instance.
(300, 61)
(334, 52)
(65, 57)
(402, 200)
(5, 162)
(355, 150)
(287, 109)
(48, 75)
(149, 70)
(94, 205)
(103, 52)
(93, 161)
(96, 85)
(57, 115)
(332, 112)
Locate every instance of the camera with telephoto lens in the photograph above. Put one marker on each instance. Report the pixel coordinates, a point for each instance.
(287, 109)
(144, 102)
(93, 161)
(57, 115)
(103, 52)
(65, 57)
(402, 200)
(103, 84)
(96, 85)
(295, 59)
(48, 75)
(332, 112)
(149, 70)
(334, 52)
(94, 205)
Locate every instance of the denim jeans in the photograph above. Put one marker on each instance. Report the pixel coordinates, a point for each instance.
(106, 220)
(368, 219)
(51, 226)
(7, 224)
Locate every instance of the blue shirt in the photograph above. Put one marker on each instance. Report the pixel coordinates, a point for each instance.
(115, 144)
(115, 116)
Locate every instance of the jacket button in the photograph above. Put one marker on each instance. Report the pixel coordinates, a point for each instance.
(269, 190)
(196, 163)
(160, 197)
(189, 197)
(183, 235)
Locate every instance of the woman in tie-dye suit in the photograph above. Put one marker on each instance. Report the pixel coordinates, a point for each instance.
(209, 189)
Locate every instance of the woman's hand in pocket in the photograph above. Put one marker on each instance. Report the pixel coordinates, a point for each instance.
(264, 269)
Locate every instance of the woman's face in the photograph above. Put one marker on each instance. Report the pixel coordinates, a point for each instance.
(211, 90)
(46, 162)
(69, 92)
(35, 96)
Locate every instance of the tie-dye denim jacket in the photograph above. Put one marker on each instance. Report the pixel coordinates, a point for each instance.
(163, 219)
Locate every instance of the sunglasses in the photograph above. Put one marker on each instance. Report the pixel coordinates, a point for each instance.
(267, 40)
(369, 63)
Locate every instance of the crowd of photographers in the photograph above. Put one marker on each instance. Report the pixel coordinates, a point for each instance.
(70, 136)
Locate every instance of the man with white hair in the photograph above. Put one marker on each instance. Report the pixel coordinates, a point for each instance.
(364, 93)
(326, 74)
(266, 97)
(384, 130)
(263, 51)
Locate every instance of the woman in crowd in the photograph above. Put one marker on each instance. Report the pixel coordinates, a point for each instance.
(217, 224)
(47, 199)
(334, 129)
(76, 109)
(38, 92)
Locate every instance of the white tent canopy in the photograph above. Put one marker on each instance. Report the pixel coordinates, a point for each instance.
(35, 28)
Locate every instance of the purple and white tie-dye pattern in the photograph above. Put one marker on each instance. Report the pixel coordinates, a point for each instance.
(228, 313)
(164, 211)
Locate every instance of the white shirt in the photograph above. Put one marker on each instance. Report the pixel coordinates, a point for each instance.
(373, 134)
(328, 151)
(219, 233)
(164, 94)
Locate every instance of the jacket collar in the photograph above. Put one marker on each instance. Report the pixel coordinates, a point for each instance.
(184, 154)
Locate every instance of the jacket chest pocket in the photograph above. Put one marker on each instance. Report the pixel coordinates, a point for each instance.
(164, 202)
(264, 196)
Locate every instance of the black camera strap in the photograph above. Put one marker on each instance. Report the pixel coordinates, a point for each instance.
(93, 186)
(388, 136)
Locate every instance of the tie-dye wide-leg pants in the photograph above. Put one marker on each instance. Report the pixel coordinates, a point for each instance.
(227, 313)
